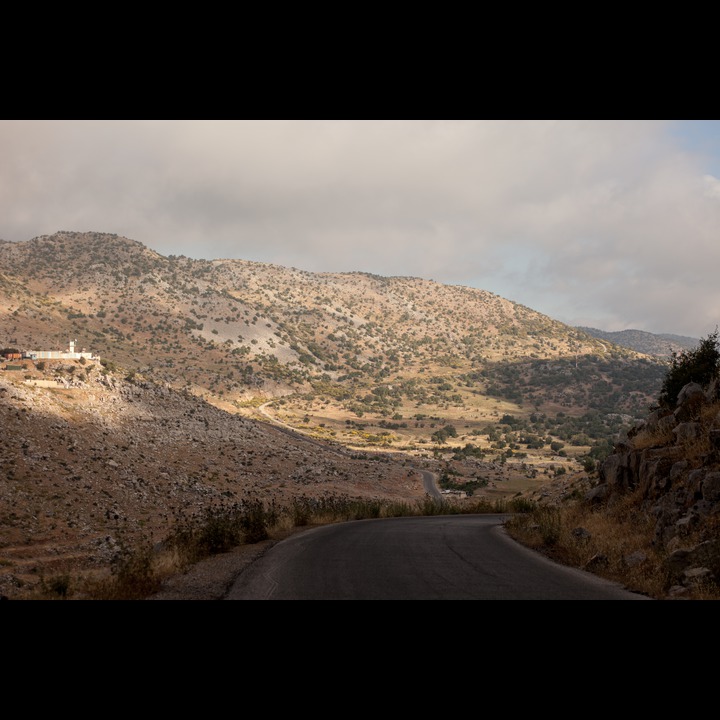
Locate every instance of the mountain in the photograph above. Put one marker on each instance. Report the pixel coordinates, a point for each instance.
(661, 346)
(235, 331)
(202, 382)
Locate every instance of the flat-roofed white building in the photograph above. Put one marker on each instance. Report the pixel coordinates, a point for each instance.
(69, 354)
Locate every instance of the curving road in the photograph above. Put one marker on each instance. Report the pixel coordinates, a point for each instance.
(449, 557)
(430, 484)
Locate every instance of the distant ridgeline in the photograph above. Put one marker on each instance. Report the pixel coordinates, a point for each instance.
(645, 342)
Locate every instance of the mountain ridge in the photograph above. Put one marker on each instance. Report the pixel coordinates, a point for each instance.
(335, 347)
(657, 344)
(260, 311)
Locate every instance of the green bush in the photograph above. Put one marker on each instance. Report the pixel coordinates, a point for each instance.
(700, 365)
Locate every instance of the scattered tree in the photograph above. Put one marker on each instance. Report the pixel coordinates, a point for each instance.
(700, 365)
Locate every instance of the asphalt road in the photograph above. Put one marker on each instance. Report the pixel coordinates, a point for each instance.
(449, 557)
(430, 485)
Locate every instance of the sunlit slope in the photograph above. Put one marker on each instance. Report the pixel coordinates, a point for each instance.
(238, 331)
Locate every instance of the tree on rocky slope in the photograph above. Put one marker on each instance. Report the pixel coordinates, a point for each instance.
(700, 365)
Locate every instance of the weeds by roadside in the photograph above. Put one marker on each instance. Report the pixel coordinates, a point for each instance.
(138, 572)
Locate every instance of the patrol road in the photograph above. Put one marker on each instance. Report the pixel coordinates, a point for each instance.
(448, 557)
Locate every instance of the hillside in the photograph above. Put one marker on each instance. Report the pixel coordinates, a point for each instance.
(199, 364)
(238, 333)
(657, 345)
(93, 463)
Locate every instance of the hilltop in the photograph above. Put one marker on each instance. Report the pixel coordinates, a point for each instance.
(224, 381)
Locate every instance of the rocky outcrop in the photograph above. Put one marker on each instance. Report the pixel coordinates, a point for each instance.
(672, 460)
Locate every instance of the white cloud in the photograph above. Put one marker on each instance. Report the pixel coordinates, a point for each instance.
(712, 186)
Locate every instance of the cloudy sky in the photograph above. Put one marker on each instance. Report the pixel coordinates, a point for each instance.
(612, 224)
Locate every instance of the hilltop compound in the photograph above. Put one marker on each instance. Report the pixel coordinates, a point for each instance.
(69, 354)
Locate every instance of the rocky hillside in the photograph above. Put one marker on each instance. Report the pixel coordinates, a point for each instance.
(235, 330)
(670, 462)
(92, 462)
(240, 333)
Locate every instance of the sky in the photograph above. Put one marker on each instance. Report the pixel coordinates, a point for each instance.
(610, 224)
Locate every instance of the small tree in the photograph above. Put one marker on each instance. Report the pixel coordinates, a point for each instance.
(700, 365)
(588, 464)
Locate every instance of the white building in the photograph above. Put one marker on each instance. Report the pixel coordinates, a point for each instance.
(69, 354)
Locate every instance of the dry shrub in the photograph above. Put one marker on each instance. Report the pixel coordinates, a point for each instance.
(696, 449)
(656, 437)
(709, 412)
(132, 577)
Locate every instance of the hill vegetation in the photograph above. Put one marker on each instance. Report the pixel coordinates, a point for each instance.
(349, 350)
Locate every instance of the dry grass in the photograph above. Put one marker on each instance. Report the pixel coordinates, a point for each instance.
(657, 437)
(662, 435)
(615, 543)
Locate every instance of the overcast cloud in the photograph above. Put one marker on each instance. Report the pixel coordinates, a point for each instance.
(611, 224)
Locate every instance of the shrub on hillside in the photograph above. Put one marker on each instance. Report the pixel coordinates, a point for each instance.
(700, 365)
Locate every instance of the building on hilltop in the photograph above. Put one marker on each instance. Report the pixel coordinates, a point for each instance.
(69, 354)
